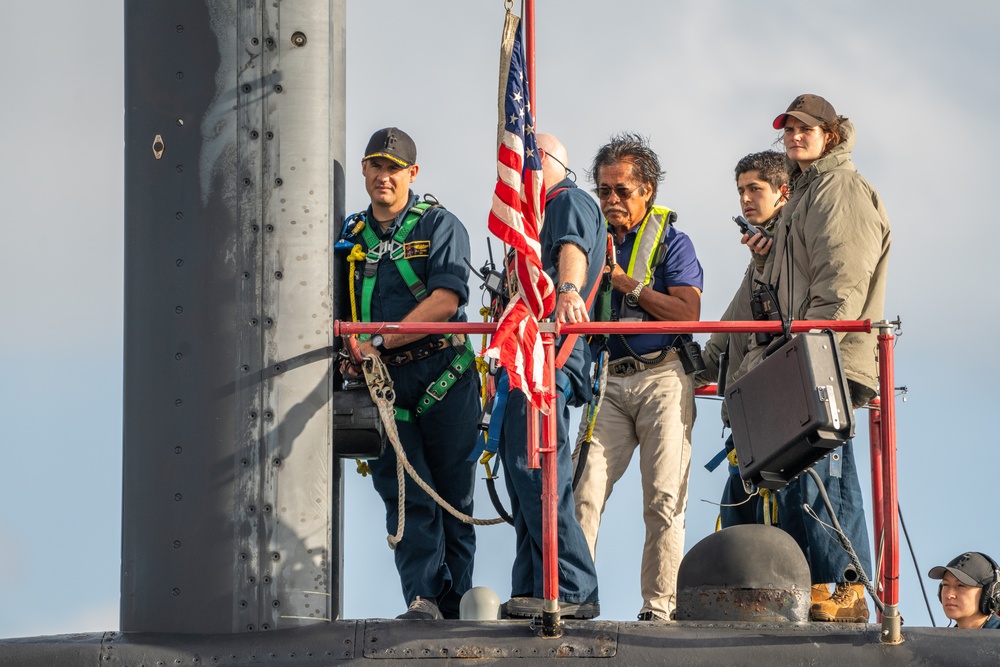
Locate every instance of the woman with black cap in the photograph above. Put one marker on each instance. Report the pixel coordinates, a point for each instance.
(970, 590)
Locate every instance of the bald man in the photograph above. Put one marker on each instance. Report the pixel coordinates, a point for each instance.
(573, 241)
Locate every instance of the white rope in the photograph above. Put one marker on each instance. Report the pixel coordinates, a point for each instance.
(380, 387)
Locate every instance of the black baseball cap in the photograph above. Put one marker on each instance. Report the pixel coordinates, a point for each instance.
(812, 110)
(394, 144)
(971, 568)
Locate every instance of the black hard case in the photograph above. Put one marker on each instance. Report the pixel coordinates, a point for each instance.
(791, 410)
(357, 427)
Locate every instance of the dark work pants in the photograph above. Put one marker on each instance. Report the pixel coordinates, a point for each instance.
(435, 556)
(577, 574)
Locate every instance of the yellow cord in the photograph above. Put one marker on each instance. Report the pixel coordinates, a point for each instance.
(357, 255)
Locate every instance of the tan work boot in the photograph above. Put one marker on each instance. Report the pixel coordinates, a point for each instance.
(820, 593)
(846, 605)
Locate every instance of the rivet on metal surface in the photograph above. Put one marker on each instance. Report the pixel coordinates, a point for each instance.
(278, 275)
(268, 321)
(243, 556)
(179, 310)
(180, 122)
(179, 215)
(180, 28)
(178, 497)
(179, 263)
(246, 88)
(298, 38)
(268, 416)
(267, 509)
(251, 509)
(269, 135)
(278, 88)
(254, 41)
(245, 368)
(176, 592)
(279, 182)
(252, 415)
(276, 556)
(277, 368)
(269, 41)
(178, 402)
(179, 169)
(178, 356)
(179, 75)
(254, 228)
(253, 321)
(254, 134)
(276, 463)
(269, 228)
(158, 147)
(178, 449)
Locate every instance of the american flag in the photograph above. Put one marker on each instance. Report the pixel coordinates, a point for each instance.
(518, 203)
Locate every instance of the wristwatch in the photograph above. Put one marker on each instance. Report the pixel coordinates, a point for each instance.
(632, 298)
(378, 343)
(568, 287)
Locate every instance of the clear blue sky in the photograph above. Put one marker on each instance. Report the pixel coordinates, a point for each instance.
(702, 79)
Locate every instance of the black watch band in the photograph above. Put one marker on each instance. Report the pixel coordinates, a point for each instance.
(378, 343)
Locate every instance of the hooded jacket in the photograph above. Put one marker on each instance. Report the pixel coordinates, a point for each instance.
(830, 255)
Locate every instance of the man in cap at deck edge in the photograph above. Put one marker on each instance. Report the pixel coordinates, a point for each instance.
(437, 400)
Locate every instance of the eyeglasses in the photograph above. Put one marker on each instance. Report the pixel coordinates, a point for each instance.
(620, 191)
(569, 172)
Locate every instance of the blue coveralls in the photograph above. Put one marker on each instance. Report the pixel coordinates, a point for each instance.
(571, 216)
(435, 556)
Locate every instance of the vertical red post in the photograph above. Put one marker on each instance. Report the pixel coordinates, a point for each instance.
(890, 506)
(550, 499)
(878, 520)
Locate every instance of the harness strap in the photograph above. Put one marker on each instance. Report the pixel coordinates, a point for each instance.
(437, 389)
(395, 248)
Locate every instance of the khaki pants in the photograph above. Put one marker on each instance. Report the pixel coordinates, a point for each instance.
(654, 410)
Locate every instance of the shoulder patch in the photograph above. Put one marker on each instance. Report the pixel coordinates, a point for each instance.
(413, 249)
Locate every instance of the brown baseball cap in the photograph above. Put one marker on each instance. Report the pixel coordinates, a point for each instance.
(810, 109)
(394, 144)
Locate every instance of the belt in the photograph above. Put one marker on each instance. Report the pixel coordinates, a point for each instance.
(629, 366)
(404, 356)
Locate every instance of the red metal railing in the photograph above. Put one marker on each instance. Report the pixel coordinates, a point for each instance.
(882, 431)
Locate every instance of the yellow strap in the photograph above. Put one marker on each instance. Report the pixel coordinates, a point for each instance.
(357, 255)
(770, 507)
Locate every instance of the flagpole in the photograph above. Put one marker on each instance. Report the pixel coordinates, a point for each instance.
(529, 29)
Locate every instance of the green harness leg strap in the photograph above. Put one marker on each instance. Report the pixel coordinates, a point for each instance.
(395, 248)
(437, 389)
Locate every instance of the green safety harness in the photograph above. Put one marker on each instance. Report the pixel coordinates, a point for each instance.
(395, 249)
